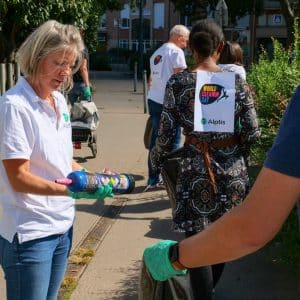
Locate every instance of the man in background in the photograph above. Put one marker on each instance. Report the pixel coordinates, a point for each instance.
(164, 62)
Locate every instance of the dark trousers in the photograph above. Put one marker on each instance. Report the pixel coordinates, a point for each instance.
(155, 110)
(204, 279)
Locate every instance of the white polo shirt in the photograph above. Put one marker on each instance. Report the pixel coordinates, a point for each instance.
(162, 64)
(30, 129)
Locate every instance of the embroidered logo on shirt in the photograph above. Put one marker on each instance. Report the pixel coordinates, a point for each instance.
(210, 93)
(157, 59)
(66, 117)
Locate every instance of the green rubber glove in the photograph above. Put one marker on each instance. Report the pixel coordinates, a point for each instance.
(157, 260)
(87, 92)
(102, 192)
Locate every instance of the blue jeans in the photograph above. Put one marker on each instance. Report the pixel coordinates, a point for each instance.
(77, 93)
(34, 269)
(155, 110)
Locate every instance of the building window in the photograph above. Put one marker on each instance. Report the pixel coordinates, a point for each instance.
(159, 15)
(103, 21)
(124, 44)
(102, 37)
(157, 43)
(186, 21)
(146, 45)
(125, 23)
(262, 20)
(125, 16)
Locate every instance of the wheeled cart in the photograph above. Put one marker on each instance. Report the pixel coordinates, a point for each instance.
(85, 120)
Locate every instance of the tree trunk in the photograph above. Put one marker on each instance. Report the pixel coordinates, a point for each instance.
(289, 15)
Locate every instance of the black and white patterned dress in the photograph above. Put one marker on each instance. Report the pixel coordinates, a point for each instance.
(196, 202)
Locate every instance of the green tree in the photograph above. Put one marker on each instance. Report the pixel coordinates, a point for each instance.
(290, 11)
(19, 17)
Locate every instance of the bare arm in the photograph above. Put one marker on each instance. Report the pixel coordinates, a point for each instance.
(23, 181)
(249, 226)
(177, 70)
(84, 72)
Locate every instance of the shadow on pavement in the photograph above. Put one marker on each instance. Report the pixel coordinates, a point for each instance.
(152, 206)
(84, 159)
(130, 286)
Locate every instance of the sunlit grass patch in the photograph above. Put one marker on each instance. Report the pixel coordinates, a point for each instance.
(81, 256)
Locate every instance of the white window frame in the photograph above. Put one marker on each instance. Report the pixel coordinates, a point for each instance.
(159, 15)
(124, 16)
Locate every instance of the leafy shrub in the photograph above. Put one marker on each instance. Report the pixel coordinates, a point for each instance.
(190, 61)
(99, 62)
(274, 81)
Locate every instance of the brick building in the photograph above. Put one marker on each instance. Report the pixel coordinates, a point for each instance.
(121, 28)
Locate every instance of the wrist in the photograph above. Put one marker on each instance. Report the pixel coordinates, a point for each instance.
(178, 266)
(174, 257)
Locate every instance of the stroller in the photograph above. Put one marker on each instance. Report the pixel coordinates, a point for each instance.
(85, 120)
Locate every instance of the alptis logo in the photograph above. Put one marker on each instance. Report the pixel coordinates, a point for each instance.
(210, 93)
(157, 59)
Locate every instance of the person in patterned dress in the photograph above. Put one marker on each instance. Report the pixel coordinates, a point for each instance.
(212, 177)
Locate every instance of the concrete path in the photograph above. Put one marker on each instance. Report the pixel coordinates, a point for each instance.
(145, 218)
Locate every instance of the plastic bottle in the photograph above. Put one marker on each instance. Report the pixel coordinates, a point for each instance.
(79, 181)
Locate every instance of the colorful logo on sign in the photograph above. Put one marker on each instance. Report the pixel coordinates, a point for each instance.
(157, 59)
(210, 93)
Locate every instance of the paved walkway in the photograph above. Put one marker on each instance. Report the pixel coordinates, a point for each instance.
(145, 218)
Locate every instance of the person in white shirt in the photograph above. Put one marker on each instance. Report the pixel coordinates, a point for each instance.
(167, 60)
(231, 59)
(37, 214)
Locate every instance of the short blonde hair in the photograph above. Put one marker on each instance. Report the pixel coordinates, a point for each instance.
(48, 38)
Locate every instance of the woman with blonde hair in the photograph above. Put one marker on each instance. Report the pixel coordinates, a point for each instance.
(37, 214)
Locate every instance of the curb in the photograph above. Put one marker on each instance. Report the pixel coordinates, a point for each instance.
(92, 242)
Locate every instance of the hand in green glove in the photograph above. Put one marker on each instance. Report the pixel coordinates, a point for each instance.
(87, 93)
(102, 192)
(157, 260)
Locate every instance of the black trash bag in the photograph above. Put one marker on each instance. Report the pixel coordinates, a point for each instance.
(169, 172)
(175, 288)
(148, 133)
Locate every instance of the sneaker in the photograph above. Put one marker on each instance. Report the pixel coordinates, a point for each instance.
(149, 187)
(160, 184)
